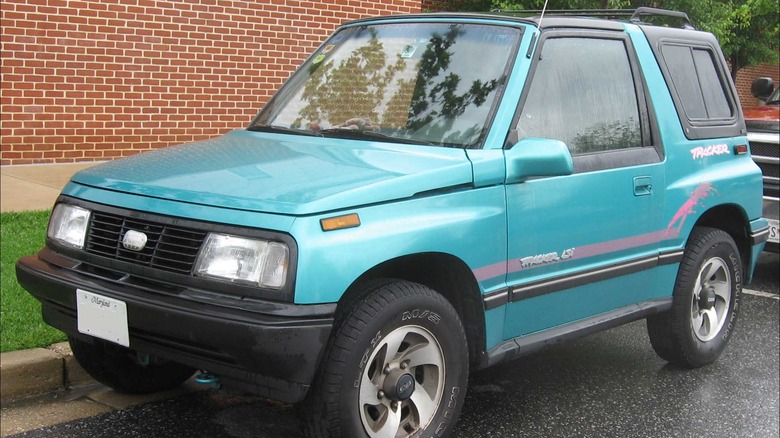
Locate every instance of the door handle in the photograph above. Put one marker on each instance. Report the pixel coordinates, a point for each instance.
(643, 186)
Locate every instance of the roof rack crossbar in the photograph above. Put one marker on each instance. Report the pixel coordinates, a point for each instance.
(645, 11)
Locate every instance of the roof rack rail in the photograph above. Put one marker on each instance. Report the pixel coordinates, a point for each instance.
(644, 11)
(600, 13)
(634, 15)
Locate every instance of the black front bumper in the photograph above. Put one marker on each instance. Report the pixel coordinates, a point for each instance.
(263, 348)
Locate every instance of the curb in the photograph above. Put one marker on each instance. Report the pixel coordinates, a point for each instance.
(30, 373)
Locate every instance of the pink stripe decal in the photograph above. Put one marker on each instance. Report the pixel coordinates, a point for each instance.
(490, 271)
(592, 250)
(619, 244)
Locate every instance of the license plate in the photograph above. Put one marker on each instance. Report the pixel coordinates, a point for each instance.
(773, 225)
(102, 317)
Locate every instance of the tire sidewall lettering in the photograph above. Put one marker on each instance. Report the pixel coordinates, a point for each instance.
(732, 260)
(452, 403)
(367, 353)
(420, 314)
(430, 318)
(737, 292)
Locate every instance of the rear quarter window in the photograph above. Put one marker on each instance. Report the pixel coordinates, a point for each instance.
(695, 78)
(699, 82)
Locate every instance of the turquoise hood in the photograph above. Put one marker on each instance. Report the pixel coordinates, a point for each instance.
(284, 174)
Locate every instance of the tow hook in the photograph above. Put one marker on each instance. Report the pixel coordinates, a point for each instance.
(207, 378)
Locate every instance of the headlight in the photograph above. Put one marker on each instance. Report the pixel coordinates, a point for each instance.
(241, 260)
(68, 225)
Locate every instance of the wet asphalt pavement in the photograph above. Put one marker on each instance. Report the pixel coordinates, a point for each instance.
(606, 385)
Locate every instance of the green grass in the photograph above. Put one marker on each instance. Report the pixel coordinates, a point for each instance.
(21, 326)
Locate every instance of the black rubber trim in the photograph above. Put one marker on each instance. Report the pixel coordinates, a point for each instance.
(523, 345)
(759, 236)
(538, 288)
(496, 299)
(670, 257)
(274, 353)
(555, 284)
(544, 287)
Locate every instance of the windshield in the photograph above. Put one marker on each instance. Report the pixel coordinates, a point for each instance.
(426, 83)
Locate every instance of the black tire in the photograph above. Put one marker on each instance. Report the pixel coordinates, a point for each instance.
(696, 330)
(118, 367)
(417, 392)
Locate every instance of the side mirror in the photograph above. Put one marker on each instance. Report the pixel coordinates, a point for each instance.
(761, 88)
(534, 157)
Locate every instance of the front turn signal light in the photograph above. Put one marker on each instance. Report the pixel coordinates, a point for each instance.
(340, 222)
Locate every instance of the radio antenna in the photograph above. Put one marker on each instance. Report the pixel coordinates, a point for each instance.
(541, 17)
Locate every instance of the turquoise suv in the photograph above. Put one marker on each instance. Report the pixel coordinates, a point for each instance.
(426, 196)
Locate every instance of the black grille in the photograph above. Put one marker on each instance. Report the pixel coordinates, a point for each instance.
(764, 149)
(768, 169)
(169, 248)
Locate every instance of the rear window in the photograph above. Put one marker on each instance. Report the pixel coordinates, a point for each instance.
(700, 88)
(698, 78)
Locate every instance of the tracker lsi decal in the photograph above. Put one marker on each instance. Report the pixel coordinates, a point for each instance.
(552, 257)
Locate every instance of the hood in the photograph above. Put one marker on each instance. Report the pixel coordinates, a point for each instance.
(764, 118)
(764, 112)
(283, 174)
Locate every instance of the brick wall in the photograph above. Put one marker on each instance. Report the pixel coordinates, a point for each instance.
(93, 80)
(745, 78)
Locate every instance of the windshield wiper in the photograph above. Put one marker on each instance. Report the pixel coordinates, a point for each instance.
(280, 130)
(357, 134)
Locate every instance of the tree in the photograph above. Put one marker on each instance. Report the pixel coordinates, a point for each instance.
(751, 34)
(747, 29)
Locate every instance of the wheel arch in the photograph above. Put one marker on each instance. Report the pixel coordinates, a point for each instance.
(732, 219)
(445, 274)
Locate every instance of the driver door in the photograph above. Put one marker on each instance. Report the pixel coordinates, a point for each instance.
(584, 244)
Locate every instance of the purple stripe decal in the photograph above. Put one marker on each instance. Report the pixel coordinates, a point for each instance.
(619, 244)
(490, 271)
(592, 250)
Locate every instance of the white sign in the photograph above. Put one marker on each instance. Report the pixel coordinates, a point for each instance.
(102, 317)
(773, 225)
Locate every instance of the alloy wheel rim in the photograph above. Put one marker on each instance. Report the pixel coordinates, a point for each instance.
(711, 299)
(390, 403)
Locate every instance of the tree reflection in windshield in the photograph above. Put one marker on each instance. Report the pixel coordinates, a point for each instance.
(436, 105)
(433, 83)
(349, 90)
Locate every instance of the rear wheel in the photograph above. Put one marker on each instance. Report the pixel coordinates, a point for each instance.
(695, 331)
(125, 370)
(397, 366)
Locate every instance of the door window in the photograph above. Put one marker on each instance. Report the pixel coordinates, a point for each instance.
(583, 93)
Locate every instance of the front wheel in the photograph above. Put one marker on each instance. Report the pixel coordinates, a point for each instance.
(397, 366)
(695, 331)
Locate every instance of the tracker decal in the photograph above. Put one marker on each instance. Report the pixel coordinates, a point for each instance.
(700, 152)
